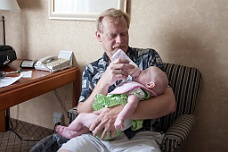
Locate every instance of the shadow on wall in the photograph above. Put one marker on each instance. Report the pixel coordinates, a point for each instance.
(200, 47)
(30, 5)
(197, 48)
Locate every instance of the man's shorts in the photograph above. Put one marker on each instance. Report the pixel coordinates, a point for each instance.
(145, 141)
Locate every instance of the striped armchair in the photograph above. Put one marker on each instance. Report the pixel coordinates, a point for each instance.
(185, 82)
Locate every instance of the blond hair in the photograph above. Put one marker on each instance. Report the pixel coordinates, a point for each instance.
(113, 15)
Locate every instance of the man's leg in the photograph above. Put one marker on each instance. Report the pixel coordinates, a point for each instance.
(145, 141)
(83, 143)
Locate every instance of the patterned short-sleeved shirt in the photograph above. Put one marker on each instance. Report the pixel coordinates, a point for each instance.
(144, 58)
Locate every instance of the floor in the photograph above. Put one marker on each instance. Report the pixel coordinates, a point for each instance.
(21, 136)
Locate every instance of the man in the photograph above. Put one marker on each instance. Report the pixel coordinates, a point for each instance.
(102, 76)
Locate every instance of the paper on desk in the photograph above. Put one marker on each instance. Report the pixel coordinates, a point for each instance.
(27, 74)
(9, 80)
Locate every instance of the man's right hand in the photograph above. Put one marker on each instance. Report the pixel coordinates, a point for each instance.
(117, 70)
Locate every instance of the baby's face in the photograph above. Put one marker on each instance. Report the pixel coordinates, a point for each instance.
(144, 77)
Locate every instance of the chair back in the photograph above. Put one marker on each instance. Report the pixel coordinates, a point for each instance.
(185, 82)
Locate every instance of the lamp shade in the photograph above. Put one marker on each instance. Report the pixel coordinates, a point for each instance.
(10, 5)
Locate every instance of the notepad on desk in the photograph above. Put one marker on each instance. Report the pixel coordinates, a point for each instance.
(27, 74)
(6, 81)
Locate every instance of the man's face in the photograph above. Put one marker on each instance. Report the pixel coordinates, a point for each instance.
(114, 36)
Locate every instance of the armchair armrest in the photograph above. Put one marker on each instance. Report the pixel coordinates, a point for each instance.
(177, 133)
(72, 114)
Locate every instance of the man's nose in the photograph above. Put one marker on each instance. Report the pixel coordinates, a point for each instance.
(119, 39)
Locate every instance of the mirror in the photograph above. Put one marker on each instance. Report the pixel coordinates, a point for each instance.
(82, 9)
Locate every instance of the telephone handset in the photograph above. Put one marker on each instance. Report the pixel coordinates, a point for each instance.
(52, 64)
(46, 59)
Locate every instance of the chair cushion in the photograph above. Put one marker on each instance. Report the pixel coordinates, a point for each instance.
(72, 114)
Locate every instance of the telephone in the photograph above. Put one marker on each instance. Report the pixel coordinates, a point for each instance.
(52, 64)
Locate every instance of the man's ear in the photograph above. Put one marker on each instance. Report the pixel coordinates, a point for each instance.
(150, 85)
(98, 35)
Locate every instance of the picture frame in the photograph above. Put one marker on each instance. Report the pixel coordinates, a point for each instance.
(85, 10)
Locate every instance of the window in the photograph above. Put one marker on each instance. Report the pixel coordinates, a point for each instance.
(82, 9)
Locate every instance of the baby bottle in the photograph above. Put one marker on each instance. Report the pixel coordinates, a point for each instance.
(132, 72)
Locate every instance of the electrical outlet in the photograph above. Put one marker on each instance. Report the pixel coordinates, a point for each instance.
(57, 118)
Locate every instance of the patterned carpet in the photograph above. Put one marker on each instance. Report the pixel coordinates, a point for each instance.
(21, 136)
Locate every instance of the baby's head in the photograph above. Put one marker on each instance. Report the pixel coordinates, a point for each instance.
(154, 79)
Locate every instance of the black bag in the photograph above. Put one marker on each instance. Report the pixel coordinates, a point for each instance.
(7, 55)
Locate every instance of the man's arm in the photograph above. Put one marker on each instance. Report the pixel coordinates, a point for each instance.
(152, 108)
(155, 107)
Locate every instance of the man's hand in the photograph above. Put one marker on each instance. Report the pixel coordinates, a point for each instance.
(105, 122)
(117, 70)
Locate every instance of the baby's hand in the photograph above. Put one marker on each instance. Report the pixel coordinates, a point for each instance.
(119, 124)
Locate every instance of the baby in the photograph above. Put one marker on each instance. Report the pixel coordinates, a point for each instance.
(150, 82)
(147, 83)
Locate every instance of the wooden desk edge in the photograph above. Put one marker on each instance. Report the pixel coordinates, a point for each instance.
(69, 76)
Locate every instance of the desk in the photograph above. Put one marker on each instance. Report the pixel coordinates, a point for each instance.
(40, 83)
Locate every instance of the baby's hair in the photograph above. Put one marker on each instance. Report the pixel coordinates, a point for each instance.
(161, 80)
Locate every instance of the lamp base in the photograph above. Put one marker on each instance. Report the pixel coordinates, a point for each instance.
(3, 30)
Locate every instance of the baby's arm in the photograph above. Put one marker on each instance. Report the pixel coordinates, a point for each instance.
(127, 111)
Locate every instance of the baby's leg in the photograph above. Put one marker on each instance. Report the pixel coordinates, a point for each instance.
(68, 133)
(79, 126)
(127, 111)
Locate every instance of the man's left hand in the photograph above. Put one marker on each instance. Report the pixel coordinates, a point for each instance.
(105, 122)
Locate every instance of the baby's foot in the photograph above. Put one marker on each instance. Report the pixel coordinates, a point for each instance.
(66, 132)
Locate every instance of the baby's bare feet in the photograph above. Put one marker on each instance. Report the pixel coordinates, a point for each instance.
(66, 132)
(59, 128)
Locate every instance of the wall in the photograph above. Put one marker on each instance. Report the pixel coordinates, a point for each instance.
(192, 33)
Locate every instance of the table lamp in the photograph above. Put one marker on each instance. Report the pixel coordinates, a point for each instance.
(8, 5)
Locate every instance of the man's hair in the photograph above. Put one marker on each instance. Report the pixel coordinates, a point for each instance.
(112, 14)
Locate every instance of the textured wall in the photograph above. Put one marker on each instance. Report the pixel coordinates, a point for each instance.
(192, 33)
